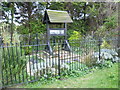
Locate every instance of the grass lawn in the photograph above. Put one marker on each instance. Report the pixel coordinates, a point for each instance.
(100, 78)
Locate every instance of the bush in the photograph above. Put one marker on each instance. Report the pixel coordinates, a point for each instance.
(110, 22)
(105, 44)
(75, 69)
(87, 59)
(74, 38)
(7, 37)
(28, 50)
(78, 66)
(107, 56)
(106, 29)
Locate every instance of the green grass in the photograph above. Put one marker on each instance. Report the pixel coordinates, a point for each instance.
(100, 78)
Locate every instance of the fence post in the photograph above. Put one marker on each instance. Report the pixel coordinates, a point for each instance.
(99, 44)
(37, 41)
(1, 66)
(58, 59)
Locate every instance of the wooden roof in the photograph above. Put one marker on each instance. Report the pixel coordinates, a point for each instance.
(55, 16)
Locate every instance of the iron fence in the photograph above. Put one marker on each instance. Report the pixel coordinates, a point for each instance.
(27, 62)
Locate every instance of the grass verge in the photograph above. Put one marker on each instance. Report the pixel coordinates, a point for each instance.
(100, 78)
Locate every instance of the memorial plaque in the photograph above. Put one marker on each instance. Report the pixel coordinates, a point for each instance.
(57, 32)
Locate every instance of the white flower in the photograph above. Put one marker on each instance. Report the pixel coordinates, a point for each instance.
(45, 76)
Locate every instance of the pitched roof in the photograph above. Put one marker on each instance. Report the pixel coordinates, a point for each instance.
(55, 16)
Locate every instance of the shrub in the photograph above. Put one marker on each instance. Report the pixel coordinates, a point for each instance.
(107, 56)
(88, 59)
(78, 66)
(16, 38)
(110, 22)
(101, 31)
(106, 29)
(28, 50)
(105, 44)
(7, 37)
(74, 38)
(75, 69)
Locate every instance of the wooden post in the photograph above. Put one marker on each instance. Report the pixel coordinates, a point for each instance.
(65, 26)
(66, 44)
(48, 32)
(48, 47)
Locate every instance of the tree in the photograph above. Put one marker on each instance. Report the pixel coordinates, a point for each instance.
(26, 13)
(8, 11)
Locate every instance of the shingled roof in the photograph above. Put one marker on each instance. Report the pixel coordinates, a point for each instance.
(55, 16)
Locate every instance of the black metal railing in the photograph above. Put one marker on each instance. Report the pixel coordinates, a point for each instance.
(28, 62)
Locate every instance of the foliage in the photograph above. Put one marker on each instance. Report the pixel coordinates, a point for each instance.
(106, 29)
(94, 79)
(37, 27)
(87, 16)
(28, 11)
(22, 29)
(65, 70)
(16, 38)
(13, 63)
(105, 44)
(101, 32)
(56, 48)
(7, 37)
(75, 36)
(30, 14)
(105, 64)
(78, 66)
(107, 57)
(77, 25)
(51, 66)
(5, 30)
(9, 10)
(27, 50)
(110, 22)
(87, 59)
(57, 6)
(89, 43)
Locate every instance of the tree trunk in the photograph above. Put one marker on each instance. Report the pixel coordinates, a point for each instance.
(118, 42)
(12, 15)
(118, 45)
(29, 15)
(84, 11)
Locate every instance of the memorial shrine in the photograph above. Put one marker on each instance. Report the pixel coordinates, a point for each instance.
(56, 17)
